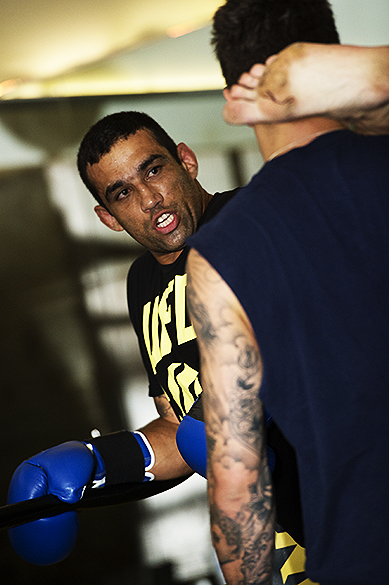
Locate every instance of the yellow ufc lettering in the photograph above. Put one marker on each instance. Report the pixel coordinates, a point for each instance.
(184, 333)
(165, 317)
(160, 344)
(179, 385)
(154, 359)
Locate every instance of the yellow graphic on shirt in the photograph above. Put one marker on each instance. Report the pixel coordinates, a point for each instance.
(183, 383)
(187, 333)
(295, 563)
(179, 384)
(160, 343)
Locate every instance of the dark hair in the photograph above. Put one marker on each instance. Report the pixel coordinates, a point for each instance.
(103, 135)
(246, 32)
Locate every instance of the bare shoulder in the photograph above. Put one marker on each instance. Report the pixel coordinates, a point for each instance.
(205, 285)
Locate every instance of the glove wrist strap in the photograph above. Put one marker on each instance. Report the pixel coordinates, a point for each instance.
(148, 454)
(122, 457)
(98, 476)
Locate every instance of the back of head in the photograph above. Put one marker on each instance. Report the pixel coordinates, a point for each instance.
(103, 135)
(246, 32)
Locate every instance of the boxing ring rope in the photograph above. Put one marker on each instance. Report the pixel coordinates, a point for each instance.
(47, 506)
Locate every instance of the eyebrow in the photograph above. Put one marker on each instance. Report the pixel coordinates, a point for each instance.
(111, 188)
(141, 167)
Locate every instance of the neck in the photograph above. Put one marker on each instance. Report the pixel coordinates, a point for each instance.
(276, 139)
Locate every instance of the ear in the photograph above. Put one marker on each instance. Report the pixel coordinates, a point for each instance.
(188, 159)
(107, 219)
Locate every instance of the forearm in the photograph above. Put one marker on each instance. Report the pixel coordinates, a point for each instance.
(311, 79)
(369, 114)
(362, 100)
(242, 520)
(366, 81)
(161, 435)
(239, 485)
(344, 82)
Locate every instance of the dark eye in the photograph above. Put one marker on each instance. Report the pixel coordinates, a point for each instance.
(122, 194)
(154, 171)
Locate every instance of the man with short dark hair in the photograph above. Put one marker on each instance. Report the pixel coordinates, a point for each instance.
(146, 185)
(298, 323)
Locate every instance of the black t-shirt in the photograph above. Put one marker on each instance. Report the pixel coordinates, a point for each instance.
(167, 341)
(168, 345)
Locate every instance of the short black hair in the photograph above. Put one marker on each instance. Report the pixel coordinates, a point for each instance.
(246, 32)
(103, 135)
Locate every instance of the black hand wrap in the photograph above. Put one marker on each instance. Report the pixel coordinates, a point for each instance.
(123, 457)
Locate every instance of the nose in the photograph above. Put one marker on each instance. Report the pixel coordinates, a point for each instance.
(149, 198)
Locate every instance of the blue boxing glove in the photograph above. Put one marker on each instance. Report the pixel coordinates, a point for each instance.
(191, 440)
(66, 471)
(63, 471)
(192, 444)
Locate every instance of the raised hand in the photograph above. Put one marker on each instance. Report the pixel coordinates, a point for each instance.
(307, 79)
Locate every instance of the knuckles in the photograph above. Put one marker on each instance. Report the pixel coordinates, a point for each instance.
(62, 471)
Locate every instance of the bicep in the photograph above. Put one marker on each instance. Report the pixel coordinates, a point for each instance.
(231, 367)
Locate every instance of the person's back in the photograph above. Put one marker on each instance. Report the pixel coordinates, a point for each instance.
(317, 296)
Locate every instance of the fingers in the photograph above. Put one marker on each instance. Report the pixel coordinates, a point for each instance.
(247, 86)
(270, 59)
(237, 114)
(250, 79)
(261, 95)
(258, 69)
(240, 92)
(240, 107)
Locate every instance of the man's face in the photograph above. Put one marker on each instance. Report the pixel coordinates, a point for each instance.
(149, 194)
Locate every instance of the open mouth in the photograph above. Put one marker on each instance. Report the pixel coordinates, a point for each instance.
(166, 222)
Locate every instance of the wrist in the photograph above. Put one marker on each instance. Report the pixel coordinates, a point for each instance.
(99, 472)
(148, 454)
(122, 456)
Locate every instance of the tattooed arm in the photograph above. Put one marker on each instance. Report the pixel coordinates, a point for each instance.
(239, 484)
(345, 82)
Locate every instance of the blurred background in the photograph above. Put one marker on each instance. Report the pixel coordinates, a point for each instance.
(69, 359)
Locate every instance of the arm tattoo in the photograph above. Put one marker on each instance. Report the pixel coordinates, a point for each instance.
(244, 421)
(239, 481)
(199, 314)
